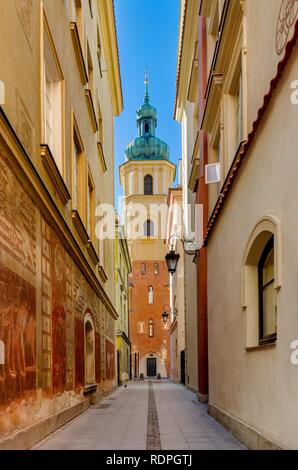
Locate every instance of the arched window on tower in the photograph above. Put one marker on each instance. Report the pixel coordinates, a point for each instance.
(150, 295)
(151, 328)
(147, 128)
(143, 269)
(148, 228)
(148, 185)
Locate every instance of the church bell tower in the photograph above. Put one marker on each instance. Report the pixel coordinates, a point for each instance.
(146, 177)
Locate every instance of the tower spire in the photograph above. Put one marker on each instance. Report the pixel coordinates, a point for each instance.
(146, 83)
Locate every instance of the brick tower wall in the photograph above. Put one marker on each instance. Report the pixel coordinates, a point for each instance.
(141, 312)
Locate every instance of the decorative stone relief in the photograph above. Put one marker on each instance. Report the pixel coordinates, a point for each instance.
(287, 16)
(25, 10)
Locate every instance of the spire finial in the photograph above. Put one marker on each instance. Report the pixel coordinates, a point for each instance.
(146, 83)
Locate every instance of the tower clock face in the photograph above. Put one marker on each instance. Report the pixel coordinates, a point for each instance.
(286, 19)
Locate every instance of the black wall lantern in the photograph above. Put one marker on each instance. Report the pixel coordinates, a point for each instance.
(166, 313)
(172, 259)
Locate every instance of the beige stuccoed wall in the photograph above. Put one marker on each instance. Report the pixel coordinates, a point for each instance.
(262, 58)
(258, 388)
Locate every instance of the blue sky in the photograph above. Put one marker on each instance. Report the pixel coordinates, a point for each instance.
(147, 36)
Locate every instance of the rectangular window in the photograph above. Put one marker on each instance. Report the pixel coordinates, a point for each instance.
(239, 117)
(91, 208)
(99, 51)
(151, 328)
(90, 70)
(77, 170)
(267, 295)
(90, 7)
(53, 100)
(78, 12)
(76, 155)
(102, 252)
(156, 268)
(100, 123)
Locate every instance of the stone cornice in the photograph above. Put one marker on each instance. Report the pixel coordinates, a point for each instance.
(107, 15)
(187, 35)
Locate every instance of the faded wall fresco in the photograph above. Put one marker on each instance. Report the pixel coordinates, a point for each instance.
(97, 358)
(79, 353)
(17, 331)
(42, 287)
(17, 220)
(58, 315)
(110, 360)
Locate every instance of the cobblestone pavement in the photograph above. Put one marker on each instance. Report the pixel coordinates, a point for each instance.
(155, 415)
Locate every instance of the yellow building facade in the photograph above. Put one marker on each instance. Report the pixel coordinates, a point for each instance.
(186, 112)
(60, 70)
(122, 271)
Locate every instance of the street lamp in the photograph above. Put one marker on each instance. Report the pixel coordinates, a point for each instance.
(165, 313)
(172, 258)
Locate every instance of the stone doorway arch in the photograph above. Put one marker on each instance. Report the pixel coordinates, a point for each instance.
(89, 340)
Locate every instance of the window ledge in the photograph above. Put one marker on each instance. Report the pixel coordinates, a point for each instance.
(92, 252)
(262, 347)
(102, 274)
(79, 225)
(79, 52)
(92, 113)
(54, 173)
(90, 389)
(102, 159)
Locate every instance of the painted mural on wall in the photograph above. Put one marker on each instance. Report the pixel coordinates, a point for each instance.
(61, 301)
(18, 334)
(110, 360)
(97, 358)
(79, 353)
(58, 314)
(17, 220)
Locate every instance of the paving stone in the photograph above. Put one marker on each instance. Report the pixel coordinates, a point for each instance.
(159, 415)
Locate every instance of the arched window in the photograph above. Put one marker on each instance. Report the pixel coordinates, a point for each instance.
(151, 328)
(89, 351)
(150, 295)
(143, 269)
(262, 281)
(267, 294)
(146, 128)
(156, 268)
(148, 185)
(148, 228)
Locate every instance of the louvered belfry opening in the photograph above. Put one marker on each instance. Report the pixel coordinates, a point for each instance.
(148, 185)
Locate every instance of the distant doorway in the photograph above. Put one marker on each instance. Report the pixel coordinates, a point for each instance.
(118, 369)
(182, 365)
(151, 367)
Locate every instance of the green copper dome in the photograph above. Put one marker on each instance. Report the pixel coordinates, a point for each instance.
(147, 146)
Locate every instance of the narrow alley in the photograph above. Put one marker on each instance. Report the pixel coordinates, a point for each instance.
(176, 421)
